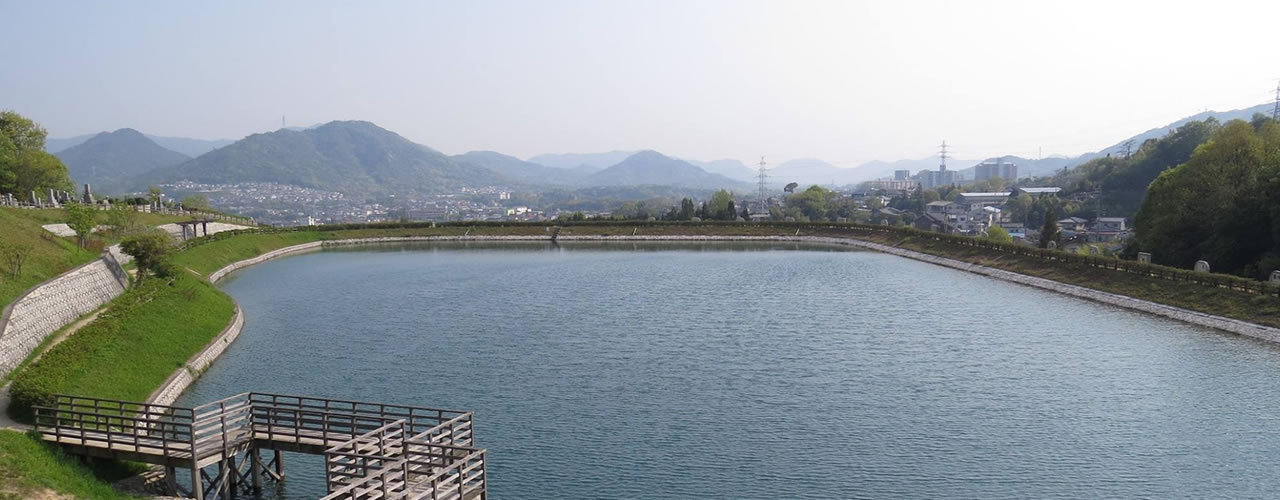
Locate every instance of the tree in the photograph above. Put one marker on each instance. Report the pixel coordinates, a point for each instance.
(1050, 230)
(122, 219)
(998, 235)
(24, 165)
(154, 193)
(746, 214)
(718, 207)
(1019, 207)
(15, 255)
(195, 202)
(791, 187)
(82, 219)
(812, 203)
(1222, 205)
(687, 209)
(150, 250)
(732, 212)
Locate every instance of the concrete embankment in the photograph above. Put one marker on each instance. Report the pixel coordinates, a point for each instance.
(179, 381)
(1177, 313)
(27, 321)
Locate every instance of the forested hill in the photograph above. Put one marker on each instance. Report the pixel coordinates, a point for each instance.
(109, 157)
(353, 157)
(1120, 183)
(653, 168)
(1221, 206)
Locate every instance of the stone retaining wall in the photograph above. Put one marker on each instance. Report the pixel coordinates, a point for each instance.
(219, 274)
(53, 305)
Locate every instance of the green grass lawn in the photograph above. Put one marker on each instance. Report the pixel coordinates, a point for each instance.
(131, 348)
(28, 466)
(50, 255)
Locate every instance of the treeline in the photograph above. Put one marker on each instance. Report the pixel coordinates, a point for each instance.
(1221, 206)
(24, 165)
(1121, 181)
(811, 205)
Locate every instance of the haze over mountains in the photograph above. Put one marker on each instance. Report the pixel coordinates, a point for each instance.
(105, 159)
(349, 156)
(358, 157)
(185, 145)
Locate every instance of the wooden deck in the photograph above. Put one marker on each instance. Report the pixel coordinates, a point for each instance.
(372, 450)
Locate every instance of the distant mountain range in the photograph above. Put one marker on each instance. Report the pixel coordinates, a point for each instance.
(732, 169)
(185, 145)
(522, 171)
(588, 162)
(654, 168)
(361, 158)
(353, 157)
(1245, 114)
(107, 158)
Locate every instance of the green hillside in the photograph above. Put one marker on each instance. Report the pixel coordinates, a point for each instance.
(650, 168)
(107, 159)
(1121, 182)
(352, 157)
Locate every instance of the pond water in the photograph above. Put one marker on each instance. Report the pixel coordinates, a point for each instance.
(648, 371)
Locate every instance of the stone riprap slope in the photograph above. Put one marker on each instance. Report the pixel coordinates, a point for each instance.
(52, 305)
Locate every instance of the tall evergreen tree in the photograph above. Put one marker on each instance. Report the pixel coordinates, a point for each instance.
(1049, 232)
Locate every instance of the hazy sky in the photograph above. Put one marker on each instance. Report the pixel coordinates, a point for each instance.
(843, 81)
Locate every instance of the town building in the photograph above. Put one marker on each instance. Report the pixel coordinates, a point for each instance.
(930, 179)
(903, 185)
(995, 170)
(1037, 192)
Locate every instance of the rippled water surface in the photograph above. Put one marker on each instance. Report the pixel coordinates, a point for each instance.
(761, 371)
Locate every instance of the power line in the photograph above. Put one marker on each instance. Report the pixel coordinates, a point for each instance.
(943, 155)
(1275, 112)
(764, 203)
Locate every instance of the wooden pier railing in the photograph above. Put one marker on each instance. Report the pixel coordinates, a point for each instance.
(405, 450)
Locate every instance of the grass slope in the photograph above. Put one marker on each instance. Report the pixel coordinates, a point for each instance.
(50, 255)
(28, 468)
(131, 348)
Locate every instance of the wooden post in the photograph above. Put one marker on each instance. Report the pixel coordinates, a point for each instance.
(170, 482)
(232, 475)
(197, 485)
(255, 464)
(279, 464)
